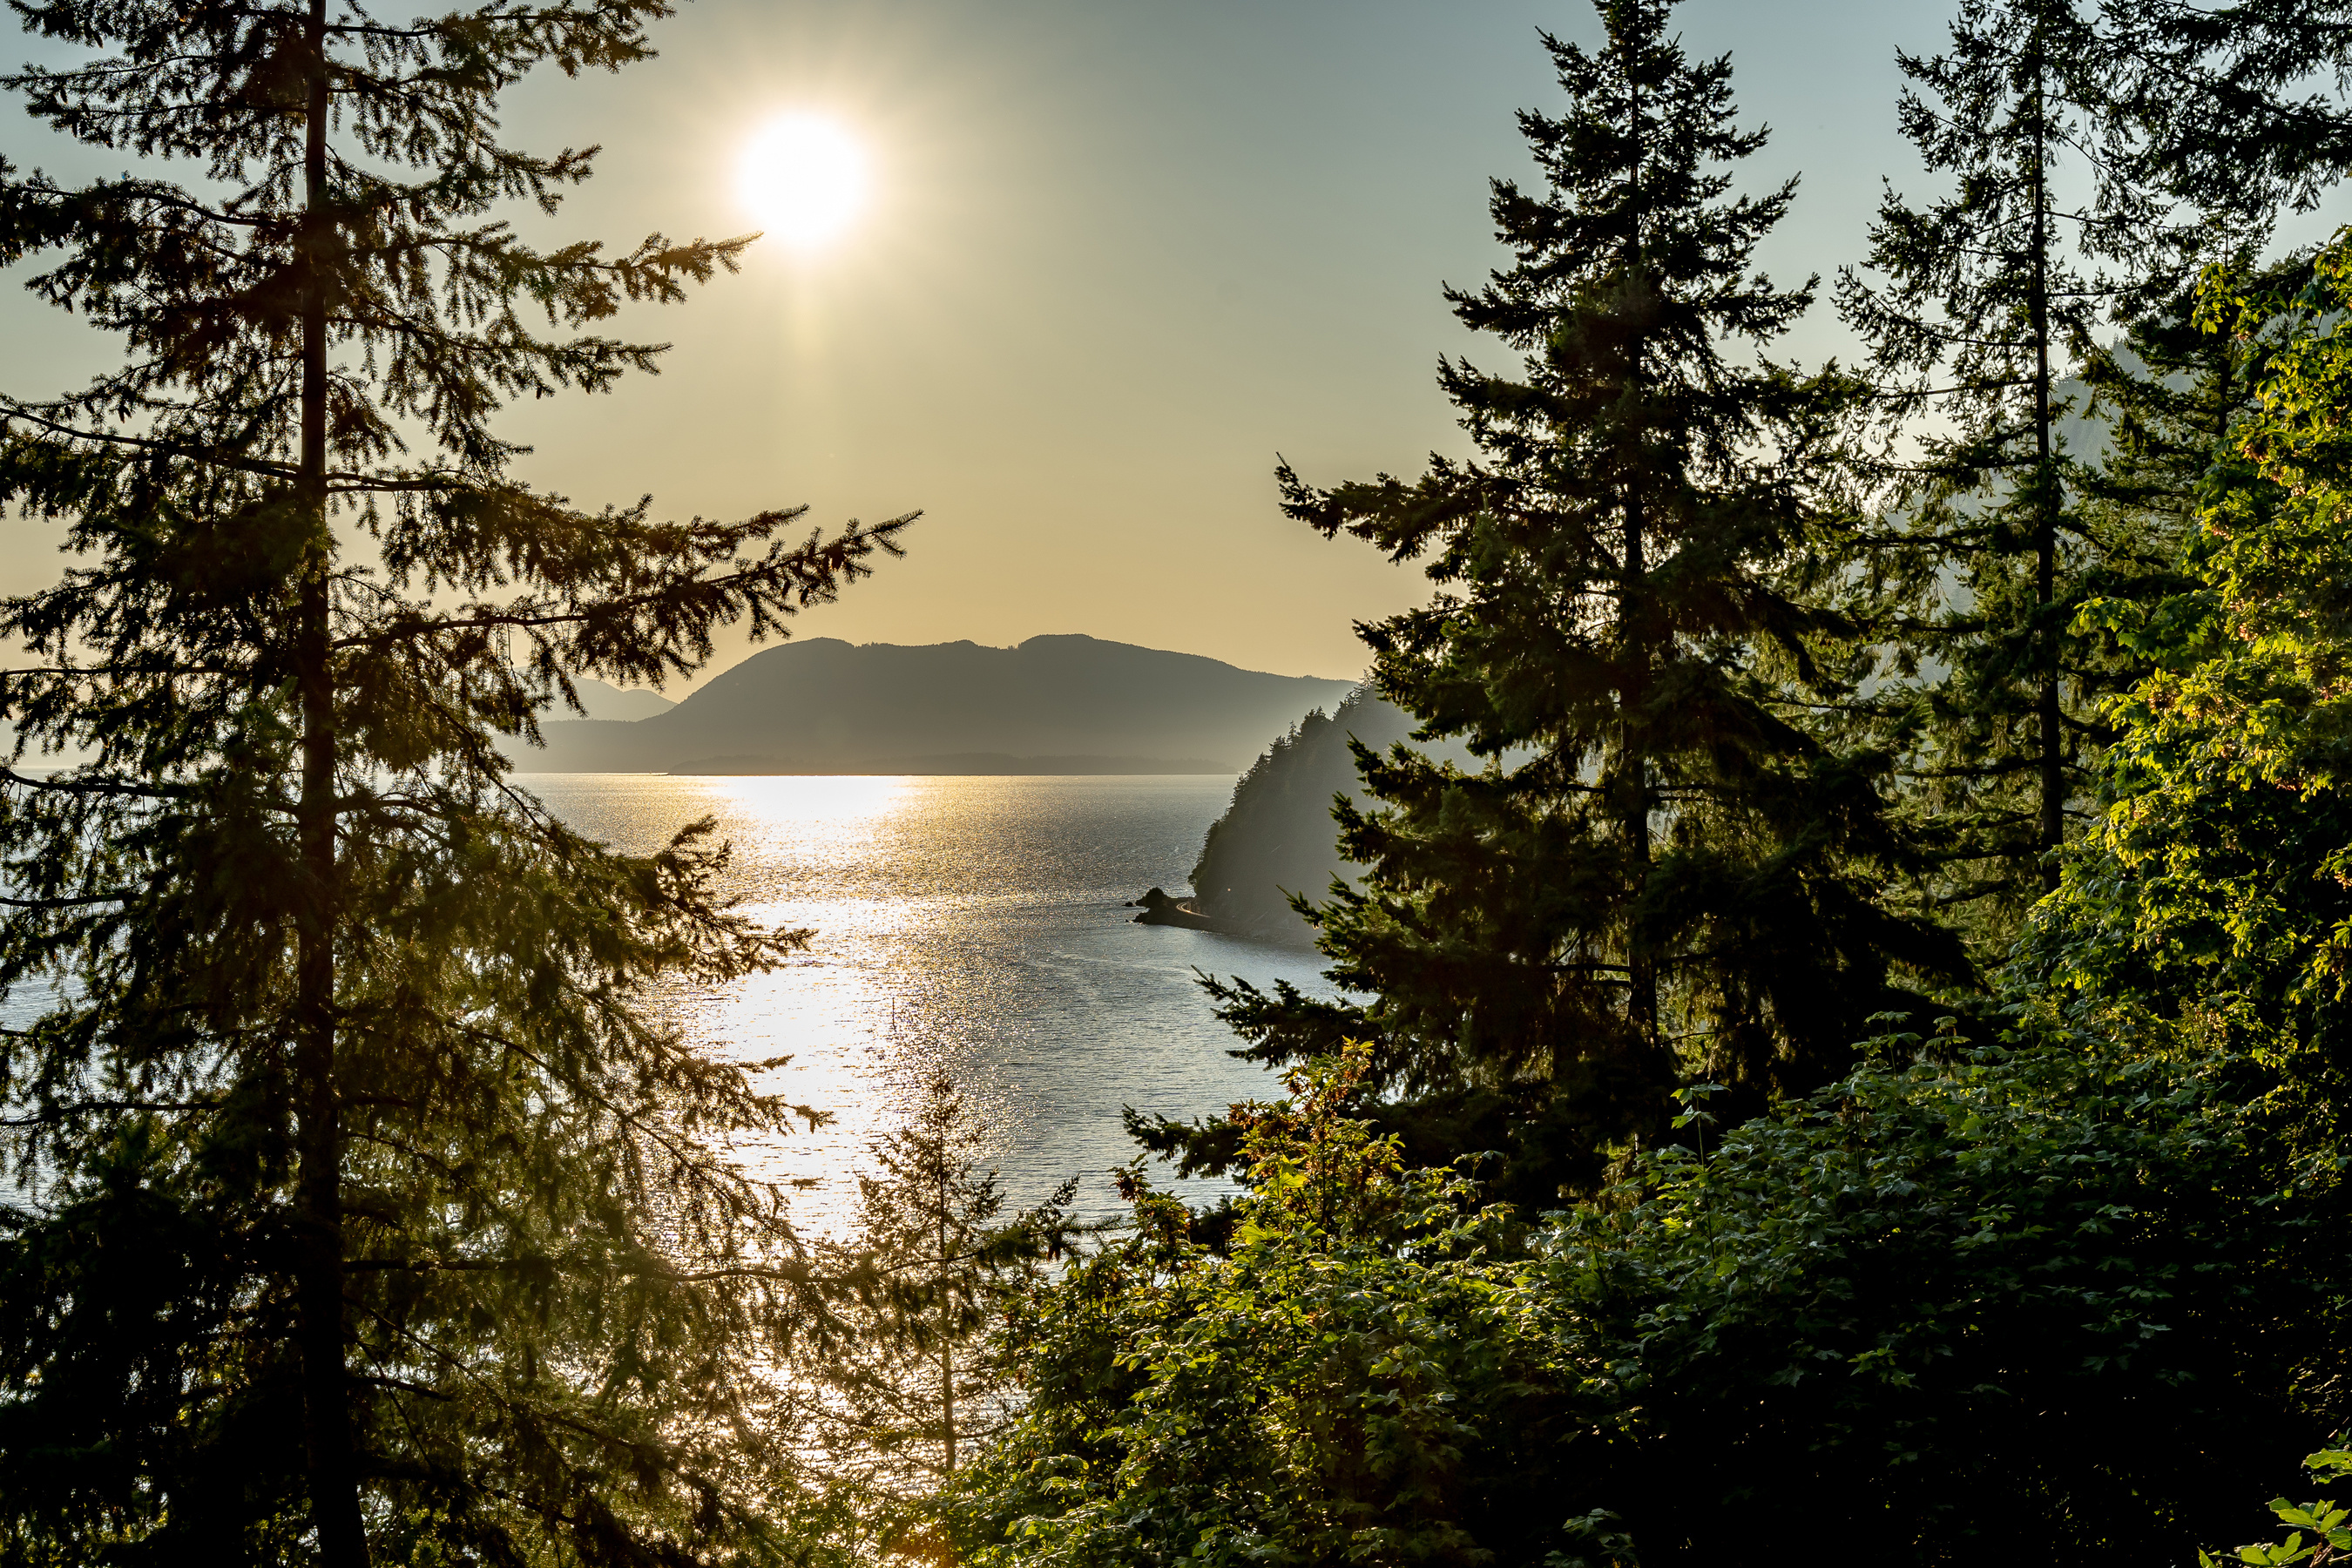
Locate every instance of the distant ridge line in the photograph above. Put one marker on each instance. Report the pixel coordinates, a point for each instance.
(956, 764)
(1054, 704)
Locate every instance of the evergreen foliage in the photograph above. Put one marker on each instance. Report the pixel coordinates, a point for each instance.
(2199, 98)
(2099, 157)
(1661, 872)
(2064, 1298)
(363, 1210)
(2068, 1298)
(2212, 894)
(2232, 103)
(1986, 292)
(1345, 1384)
(913, 1388)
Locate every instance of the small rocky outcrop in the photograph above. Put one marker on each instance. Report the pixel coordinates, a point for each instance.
(1159, 910)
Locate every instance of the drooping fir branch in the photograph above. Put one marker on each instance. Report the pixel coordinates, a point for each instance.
(2242, 106)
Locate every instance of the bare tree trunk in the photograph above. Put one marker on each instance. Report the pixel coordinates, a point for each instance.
(1642, 1005)
(319, 1286)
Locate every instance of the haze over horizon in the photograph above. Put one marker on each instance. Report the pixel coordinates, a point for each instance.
(1114, 259)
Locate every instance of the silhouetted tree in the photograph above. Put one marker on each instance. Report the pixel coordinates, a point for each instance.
(1987, 292)
(2239, 109)
(916, 1388)
(361, 1201)
(913, 1383)
(1661, 873)
(2085, 198)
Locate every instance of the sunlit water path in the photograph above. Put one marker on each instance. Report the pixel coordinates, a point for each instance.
(973, 924)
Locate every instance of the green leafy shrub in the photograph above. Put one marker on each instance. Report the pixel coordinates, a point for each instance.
(2328, 1539)
(1971, 1305)
(1348, 1381)
(1975, 1305)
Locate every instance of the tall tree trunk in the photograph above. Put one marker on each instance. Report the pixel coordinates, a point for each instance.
(318, 1287)
(947, 1317)
(2052, 826)
(1642, 1005)
(1634, 631)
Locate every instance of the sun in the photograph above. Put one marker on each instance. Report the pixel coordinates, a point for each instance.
(804, 178)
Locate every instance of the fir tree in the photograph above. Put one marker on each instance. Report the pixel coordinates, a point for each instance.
(362, 1208)
(916, 1388)
(1986, 298)
(2215, 109)
(2100, 157)
(1660, 874)
(2233, 103)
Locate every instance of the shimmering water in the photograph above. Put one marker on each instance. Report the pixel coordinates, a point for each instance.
(974, 924)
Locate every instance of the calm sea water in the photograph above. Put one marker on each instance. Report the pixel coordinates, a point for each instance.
(971, 924)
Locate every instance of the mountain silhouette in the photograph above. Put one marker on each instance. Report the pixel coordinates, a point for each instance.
(603, 700)
(1054, 704)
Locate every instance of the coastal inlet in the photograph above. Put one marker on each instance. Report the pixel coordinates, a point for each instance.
(981, 925)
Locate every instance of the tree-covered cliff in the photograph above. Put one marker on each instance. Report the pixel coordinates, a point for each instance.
(1277, 837)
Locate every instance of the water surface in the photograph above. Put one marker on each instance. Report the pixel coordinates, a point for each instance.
(971, 924)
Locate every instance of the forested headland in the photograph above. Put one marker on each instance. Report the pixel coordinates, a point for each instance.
(1274, 840)
(1841, 1032)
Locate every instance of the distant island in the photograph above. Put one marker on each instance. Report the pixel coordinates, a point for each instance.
(1063, 704)
(959, 762)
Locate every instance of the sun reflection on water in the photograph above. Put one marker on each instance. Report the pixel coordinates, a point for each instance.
(971, 924)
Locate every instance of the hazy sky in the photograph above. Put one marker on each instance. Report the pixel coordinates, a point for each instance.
(1119, 254)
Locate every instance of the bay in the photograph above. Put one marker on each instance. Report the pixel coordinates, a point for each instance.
(974, 925)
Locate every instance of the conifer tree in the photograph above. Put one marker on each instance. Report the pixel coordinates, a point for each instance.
(1660, 874)
(1986, 298)
(2100, 158)
(916, 1388)
(363, 1210)
(2240, 108)
(2218, 112)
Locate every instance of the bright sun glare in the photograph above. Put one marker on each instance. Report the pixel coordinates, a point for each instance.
(804, 178)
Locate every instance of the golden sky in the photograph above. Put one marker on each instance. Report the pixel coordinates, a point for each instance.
(1116, 254)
